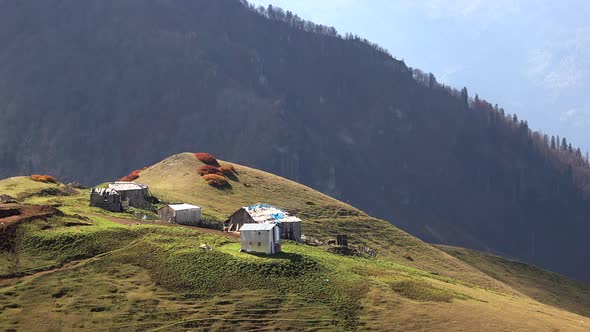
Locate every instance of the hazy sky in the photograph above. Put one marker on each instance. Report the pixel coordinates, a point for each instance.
(530, 57)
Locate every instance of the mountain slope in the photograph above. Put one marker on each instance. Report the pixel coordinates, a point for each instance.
(101, 87)
(541, 285)
(150, 275)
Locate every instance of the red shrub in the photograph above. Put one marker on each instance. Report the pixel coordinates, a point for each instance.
(408, 257)
(43, 178)
(208, 169)
(207, 158)
(132, 176)
(216, 180)
(227, 170)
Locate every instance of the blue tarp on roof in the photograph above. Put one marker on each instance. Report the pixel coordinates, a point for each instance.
(261, 206)
(277, 216)
(265, 213)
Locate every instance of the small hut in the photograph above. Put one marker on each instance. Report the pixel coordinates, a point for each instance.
(290, 226)
(133, 194)
(106, 198)
(184, 214)
(261, 238)
(121, 195)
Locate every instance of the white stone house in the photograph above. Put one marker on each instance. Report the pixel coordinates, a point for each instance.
(184, 214)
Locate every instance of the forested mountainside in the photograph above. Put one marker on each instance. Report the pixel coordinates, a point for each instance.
(93, 89)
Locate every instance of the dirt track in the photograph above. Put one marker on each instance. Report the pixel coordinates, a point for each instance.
(27, 212)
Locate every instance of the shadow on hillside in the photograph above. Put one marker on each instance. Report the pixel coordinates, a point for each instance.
(282, 255)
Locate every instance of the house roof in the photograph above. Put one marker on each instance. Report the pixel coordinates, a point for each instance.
(264, 213)
(123, 186)
(104, 191)
(183, 206)
(257, 227)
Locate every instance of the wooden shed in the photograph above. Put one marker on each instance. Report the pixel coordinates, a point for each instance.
(184, 214)
(260, 238)
(106, 198)
(133, 194)
(290, 226)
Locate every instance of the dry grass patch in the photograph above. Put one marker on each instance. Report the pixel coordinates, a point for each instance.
(419, 290)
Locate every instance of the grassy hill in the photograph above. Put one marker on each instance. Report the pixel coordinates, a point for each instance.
(175, 179)
(88, 269)
(23, 187)
(542, 285)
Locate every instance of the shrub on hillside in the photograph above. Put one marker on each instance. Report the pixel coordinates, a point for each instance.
(207, 158)
(132, 176)
(208, 169)
(216, 180)
(43, 178)
(227, 170)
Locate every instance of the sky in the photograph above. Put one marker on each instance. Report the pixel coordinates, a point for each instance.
(531, 57)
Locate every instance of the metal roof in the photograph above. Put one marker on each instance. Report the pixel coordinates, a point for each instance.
(123, 186)
(262, 213)
(104, 191)
(183, 206)
(257, 227)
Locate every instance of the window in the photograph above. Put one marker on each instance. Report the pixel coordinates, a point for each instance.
(259, 244)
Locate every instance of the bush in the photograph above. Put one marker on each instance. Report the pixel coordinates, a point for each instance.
(227, 170)
(43, 178)
(208, 169)
(216, 180)
(132, 176)
(207, 158)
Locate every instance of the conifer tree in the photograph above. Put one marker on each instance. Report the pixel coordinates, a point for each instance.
(464, 95)
(546, 140)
